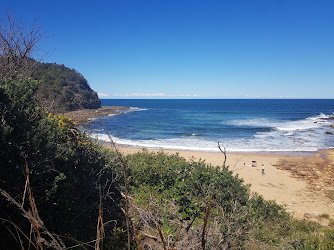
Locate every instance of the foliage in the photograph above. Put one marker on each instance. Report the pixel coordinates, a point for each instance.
(60, 89)
(63, 89)
(65, 167)
(173, 199)
(157, 171)
(173, 202)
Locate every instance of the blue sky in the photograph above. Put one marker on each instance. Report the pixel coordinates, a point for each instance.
(190, 48)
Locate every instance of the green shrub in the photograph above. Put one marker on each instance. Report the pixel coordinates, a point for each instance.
(62, 89)
(167, 192)
(65, 168)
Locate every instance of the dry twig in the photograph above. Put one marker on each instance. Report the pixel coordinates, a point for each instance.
(36, 222)
(206, 221)
(224, 152)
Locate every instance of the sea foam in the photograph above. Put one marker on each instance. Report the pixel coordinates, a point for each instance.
(247, 128)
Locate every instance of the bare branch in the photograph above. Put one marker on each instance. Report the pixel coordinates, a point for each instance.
(34, 219)
(99, 229)
(235, 164)
(207, 213)
(18, 44)
(224, 152)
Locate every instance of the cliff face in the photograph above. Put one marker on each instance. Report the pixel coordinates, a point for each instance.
(63, 89)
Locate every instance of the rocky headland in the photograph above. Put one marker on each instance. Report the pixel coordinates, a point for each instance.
(86, 115)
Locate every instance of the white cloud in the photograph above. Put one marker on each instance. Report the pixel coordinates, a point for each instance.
(162, 95)
(185, 95)
(102, 95)
(188, 95)
(143, 95)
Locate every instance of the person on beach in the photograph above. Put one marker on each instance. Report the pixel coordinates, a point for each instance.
(262, 169)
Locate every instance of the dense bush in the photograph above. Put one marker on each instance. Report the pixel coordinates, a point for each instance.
(65, 167)
(63, 89)
(172, 199)
(172, 202)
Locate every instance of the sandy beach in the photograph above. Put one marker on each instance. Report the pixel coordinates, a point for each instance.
(302, 183)
(302, 193)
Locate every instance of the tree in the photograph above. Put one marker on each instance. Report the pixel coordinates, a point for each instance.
(64, 168)
(18, 43)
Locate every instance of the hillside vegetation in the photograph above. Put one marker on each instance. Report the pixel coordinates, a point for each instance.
(60, 189)
(64, 168)
(60, 88)
(63, 89)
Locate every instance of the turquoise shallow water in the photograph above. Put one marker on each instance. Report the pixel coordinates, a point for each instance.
(240, 125)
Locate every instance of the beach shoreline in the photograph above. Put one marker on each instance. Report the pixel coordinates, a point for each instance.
(301, 181)
(283, 128)
(281, 153)
(287, 187)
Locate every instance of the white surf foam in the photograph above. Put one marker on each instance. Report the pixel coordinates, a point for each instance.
(137, 109)
(264, 143)
(255, 122)
(303, 124)
(301, 135)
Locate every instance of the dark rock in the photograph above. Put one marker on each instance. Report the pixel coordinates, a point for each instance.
(86, 115)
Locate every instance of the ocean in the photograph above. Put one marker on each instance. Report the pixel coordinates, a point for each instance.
(239, 125)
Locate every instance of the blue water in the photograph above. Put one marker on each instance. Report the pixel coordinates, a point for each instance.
(240, 125)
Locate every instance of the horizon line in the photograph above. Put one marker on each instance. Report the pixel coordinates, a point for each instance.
(217, 98)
